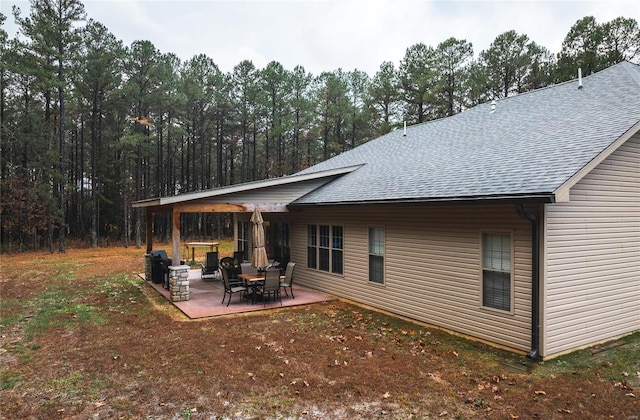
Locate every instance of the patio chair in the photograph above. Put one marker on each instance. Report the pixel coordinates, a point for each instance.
(271, 286)
(238, 256)
(247, 268)
(228, 263)
(230, 288)
(288, 279)
(211, 268)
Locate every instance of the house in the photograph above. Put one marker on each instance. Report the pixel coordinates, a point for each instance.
(515, 222)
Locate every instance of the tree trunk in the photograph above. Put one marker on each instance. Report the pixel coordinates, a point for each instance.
(94, 174)
(61, 186)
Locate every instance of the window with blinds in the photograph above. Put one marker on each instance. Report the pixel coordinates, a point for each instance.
(376, 255)
(496, 271)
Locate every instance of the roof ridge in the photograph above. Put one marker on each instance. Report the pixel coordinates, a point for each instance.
(633, 70)
(517, 95)
(627, 65)
(529, 146)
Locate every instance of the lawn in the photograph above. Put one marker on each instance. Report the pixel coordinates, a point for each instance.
(82, 336)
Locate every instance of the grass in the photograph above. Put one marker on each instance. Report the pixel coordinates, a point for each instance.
(618, 361)
(83, 336)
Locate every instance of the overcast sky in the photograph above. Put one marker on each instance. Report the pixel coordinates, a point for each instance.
(324, 35)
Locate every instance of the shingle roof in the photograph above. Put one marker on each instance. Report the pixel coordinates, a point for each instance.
(532, 144)
(244, 187)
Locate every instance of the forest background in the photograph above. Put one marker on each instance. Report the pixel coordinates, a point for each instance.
(89, 125)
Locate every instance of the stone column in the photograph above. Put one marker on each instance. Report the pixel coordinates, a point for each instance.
(148, 266)
(179, 283)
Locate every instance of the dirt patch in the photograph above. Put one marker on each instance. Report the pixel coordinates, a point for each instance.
(83, 336)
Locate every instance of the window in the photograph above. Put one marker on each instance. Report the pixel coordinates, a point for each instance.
(376, 255)
(243, 238)
(325, 248)
(496, 271)
(312, 244)
(336, 249)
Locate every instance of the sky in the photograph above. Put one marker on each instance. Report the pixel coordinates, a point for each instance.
(326, 35)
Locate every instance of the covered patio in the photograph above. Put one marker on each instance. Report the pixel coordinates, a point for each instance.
(205, 298)
(270, 197)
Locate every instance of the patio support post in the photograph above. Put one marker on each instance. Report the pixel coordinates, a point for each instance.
(178, 274)
(179, 283)
(148, 266)
(175, 237)
(149, 230)
(148, 258)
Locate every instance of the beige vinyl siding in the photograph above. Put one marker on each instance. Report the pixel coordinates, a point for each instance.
(432, 265)
(592, 273)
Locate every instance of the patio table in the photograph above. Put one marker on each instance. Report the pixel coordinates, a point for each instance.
(213, 246)
(253, 280)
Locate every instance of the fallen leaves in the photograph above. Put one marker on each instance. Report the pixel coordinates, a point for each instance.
(337, 338)
(297, 381)
(297, 356)
(437, 378)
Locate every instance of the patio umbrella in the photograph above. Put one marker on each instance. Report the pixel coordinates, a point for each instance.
(259, 255)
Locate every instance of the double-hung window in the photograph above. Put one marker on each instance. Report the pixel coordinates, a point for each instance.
(496, 271)
(325, 248)
(376, 255)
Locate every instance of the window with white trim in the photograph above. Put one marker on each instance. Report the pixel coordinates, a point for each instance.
(376, 255)
(325, 246)
(496, 271)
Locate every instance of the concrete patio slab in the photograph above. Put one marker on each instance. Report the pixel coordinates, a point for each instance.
(205, 298)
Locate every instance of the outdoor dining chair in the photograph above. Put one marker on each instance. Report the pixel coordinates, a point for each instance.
(288, 279)
(247, 268)
(231, 288)
(270, 286)
(211, 267)
(228, 263)
(238, 256)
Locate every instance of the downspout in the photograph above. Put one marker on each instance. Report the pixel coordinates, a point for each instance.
(535, 280)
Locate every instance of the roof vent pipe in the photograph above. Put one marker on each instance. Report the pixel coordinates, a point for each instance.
(493, 106)
(405, 129)
(579, 78)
